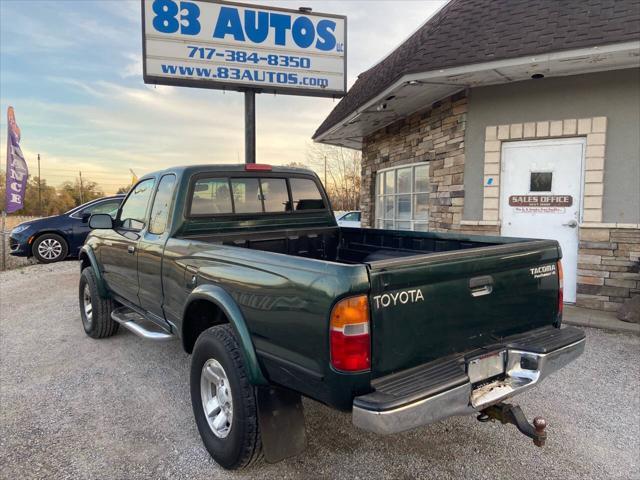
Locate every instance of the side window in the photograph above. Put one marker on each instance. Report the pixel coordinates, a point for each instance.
(132, 215)
(306, 195)
(351, 217)
(110, 208)
(211, 196)
(275, 195)
(162, 205)
(246, 195)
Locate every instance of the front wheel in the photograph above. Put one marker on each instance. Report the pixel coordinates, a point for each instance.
(49, 248)
(223, 400)
(95, 311)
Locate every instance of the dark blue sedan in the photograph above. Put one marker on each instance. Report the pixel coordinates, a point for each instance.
(52, 239)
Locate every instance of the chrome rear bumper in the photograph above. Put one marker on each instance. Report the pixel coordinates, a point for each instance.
(523, 370)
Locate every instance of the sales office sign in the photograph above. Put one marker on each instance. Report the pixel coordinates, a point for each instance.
(224, 45)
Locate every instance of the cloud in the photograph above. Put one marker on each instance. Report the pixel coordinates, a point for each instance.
(77, 84)
(134, 66)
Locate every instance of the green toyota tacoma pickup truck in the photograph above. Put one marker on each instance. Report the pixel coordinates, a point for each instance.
(246, 266)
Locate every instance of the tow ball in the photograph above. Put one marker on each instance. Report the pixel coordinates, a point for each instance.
(506, 413)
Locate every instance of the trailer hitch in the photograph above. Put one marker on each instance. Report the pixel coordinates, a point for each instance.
(507, 413)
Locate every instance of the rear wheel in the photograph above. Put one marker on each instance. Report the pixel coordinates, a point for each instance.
(95, 311)
(49, 248)
(223, 400)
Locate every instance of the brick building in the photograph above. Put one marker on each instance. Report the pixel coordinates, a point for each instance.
(515, 118)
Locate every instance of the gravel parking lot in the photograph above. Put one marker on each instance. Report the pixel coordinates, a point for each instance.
(73, 407)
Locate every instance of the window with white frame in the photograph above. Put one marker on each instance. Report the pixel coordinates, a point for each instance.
(402, 198)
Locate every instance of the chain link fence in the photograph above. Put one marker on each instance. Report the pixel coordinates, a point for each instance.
(8, 262)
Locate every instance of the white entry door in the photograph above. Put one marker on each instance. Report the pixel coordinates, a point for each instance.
(541, 196)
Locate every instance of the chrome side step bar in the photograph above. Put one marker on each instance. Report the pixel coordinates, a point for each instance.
(133, 322)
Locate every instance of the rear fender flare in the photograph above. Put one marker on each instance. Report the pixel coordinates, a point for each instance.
(87, 253)
(227, 304)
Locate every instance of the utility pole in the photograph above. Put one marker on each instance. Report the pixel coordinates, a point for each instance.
(81, 195)
(39, 189)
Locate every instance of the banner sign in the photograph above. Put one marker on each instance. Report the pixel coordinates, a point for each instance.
(233, 46)
(540, 200)
(17, 171)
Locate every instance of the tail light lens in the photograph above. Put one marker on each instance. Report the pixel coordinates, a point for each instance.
(560, 291)
(349, 335)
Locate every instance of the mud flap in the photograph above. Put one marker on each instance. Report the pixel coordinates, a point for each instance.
(281, 420)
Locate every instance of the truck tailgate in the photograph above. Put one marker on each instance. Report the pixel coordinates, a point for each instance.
(428, 306)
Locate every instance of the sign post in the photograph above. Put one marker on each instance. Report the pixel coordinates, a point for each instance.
(250, 126)
(4, 240)
(247, 48)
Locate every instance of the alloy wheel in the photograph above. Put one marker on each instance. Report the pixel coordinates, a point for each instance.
(50, 249)
(217, 402)
(88, 307)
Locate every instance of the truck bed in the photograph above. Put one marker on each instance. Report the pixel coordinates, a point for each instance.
(449, 270)
(350, 245)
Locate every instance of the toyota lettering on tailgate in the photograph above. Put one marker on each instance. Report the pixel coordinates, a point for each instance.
(400, 297)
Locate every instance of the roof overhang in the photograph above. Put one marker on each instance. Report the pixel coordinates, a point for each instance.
(416, 91)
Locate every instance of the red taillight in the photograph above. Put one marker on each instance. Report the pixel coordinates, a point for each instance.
(560, 289)
(349, 335)
(257, 167)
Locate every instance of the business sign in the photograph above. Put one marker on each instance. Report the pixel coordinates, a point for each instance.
(17, 171)
(233, 46)
(540, 200)
(551, 204)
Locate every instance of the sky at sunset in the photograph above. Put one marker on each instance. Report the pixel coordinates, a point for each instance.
(73, 72)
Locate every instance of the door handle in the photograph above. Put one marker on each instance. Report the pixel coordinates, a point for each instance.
(572, 224)
(131, 249)
(480, 286)
(480, 291)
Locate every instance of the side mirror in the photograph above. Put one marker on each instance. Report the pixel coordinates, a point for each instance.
(101, 221)
(85, 217)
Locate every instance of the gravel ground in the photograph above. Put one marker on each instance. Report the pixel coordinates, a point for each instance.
(73, 407)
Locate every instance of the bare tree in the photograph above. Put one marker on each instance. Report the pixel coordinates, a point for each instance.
(339, 169)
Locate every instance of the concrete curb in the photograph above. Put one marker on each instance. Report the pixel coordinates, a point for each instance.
(584, 317)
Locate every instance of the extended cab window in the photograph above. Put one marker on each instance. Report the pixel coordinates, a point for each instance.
(161, 205)
(211, 196)
(306, 195)
(132, 215)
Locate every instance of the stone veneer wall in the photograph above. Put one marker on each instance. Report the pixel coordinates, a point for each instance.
(608, 267)
(434, 135)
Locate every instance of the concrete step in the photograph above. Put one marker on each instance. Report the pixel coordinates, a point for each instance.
(585, 317)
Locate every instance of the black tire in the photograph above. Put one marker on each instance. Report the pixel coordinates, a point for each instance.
(99, 323)
(59, 248)
(242, 447)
